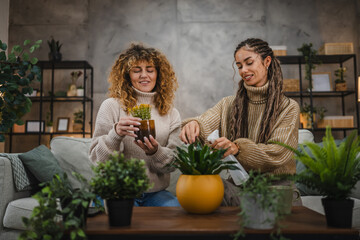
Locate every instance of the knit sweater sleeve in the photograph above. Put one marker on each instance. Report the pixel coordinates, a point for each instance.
(105, 139)
(165, 154)
(268, 157)
(211, 120)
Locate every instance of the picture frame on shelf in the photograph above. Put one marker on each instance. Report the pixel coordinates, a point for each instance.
(33, 126)
(321, 82)
(62, 124)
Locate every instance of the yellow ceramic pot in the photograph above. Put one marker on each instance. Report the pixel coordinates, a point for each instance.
(200, 194)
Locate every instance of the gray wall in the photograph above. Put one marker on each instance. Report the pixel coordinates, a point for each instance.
(4, 20)
(198, 36)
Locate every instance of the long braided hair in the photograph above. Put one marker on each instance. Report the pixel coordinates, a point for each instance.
(238, 126)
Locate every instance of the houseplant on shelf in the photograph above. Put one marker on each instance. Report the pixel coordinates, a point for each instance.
(332, 171)
(49, 123)
(305, 115)
(45, 221)
(147, 126)
(78, 124)
(72, 87)
(200, 189)
(119, 181)
(311, 59)
(54, 54)
(340, 83)
(17, 72)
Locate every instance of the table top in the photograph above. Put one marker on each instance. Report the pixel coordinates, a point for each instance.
(224, 221)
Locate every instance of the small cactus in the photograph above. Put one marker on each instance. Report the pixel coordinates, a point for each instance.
(142, 111)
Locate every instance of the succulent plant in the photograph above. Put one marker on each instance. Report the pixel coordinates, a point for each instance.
(142, 111)
(198, 159)
(54, 46)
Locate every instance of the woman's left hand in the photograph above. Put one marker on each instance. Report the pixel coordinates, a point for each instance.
(224, 143)
(150, 145)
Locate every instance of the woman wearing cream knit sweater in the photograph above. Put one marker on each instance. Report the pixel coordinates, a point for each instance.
(259, 112)
(141, 76)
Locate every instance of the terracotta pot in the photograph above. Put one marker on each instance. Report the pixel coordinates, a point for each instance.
(77, 127)
(200, 194)
(147, 128)
(340, 87)
(305, 120)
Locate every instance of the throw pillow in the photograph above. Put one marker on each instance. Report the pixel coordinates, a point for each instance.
(41, 163)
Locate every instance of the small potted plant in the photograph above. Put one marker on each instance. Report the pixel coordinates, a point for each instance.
(54, 54)
(78, 123)
(340, 83)
(200, 189)
(311, 59)
(119, 181)
(44, 222)
(147, 126)
(333, 171)
(305, 115)
(49, 123)
(80, 91)
(72, 92)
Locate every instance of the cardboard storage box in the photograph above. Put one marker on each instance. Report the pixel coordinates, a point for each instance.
(279, 50)
(291, 85)
(336, 48)
(336, 122)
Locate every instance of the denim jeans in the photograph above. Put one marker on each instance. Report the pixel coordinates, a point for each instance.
(157, 199)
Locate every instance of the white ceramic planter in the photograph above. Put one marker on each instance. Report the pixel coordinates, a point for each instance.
(256, 216)
(79, 92)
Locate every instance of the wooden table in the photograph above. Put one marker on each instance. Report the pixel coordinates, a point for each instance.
(174, 223)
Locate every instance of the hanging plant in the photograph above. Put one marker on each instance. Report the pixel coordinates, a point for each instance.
(311, 60)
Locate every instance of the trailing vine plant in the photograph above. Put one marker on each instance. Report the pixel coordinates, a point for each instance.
(311, 60)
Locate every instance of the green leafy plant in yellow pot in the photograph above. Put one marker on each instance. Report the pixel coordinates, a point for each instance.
(200, 189)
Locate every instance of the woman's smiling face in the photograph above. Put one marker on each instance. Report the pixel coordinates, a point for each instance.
(143, 76)
(252, 69)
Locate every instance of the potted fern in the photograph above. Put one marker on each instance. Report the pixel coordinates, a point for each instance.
(200, 189)
(119, 181)
(147, 126)
(333, 171)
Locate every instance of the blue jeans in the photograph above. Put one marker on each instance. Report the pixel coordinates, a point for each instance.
(157, 199)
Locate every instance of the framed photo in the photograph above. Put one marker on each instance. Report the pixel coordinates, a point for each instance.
(321, 82)
(33, 126)
(62, 124)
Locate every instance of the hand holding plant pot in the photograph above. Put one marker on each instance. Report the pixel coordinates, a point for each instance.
(147, 126)
(120, 181)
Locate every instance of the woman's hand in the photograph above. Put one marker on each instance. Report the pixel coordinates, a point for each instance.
(126, 125)
(224, 143)
(190, 132)
(150, 146)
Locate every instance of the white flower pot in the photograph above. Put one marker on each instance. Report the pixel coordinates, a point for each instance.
(80, 92)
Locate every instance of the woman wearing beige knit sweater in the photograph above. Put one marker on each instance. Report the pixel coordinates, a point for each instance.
(141, 75)
(259, 112)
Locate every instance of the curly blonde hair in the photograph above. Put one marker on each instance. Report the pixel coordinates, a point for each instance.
(120, 82)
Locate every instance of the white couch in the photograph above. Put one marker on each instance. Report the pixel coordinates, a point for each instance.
(72, 155)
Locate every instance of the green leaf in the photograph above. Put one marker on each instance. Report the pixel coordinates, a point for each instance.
(25, 57)
(26, 42)
(33, 60)
(3, 46)
(32, 49)
(2, 56)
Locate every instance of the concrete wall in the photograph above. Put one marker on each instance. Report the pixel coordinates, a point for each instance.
(4, 20)
(198, 36)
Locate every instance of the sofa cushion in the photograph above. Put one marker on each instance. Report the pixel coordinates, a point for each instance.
(42, 163)
(23, 179)
(16, 210)
(73, 156)
(314, 203)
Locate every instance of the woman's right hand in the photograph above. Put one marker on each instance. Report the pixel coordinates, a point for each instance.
(127, 125)
(190, 132)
